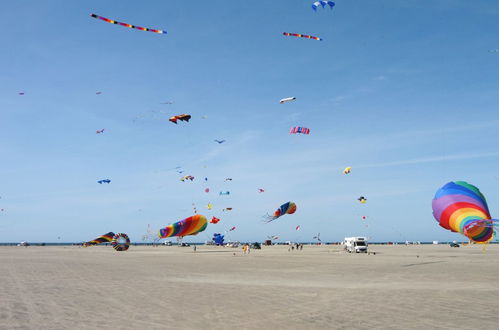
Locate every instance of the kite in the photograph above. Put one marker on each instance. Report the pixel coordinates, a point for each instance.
(347, 170)
(187, 177)
(228, 179)
(286, 208)
(287, 99)
(297, 129)
(364, 217)
(98, 93)
(127, 25)
(183, 117)
(461, 207)
(106, 238)
(104, 181)
(362, 199)
(219, 141)
(322, 3)
(120, 242)
(207, 190)
(21, 93)
(189, 226)
(218, 239)
(297, 228)
(318, 237)
(233, 228)
(224, 193)
(214, 220)
(261, 190)
(99, 131)
(209, 206)
(494, 51)
(301, 36)
(168, 102)
(205, 179)
(227, 209)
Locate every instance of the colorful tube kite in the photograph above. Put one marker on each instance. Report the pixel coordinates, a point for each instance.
(461, 207)
(106, 238)
(286, 208)
(301, 130)
(127, 25)
(301, 36)
(120, 242)
(189, 226)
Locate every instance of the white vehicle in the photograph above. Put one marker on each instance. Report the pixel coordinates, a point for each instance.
(355, 244)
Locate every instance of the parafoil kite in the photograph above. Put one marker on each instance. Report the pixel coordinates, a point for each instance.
(228, 179)
(233, 228)
(461, 207)
(214, 220)
(104, 181)
(189, 226)
(297, 228)
(227, 209)
(362, 199)
(261, 190)
(99, 131)
(106, 238)
(219, 141)
(301, 130)
(183, 117)
(301, 36)
(21, 93)
(127, 25)
(187, 177)
(287, 99)
(347, 170)
(209, 206)
(322, 3)
(224, 193)
(120, 242)
(286, 208)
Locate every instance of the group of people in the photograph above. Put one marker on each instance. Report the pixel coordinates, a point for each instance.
(298, 246)
(246, 249)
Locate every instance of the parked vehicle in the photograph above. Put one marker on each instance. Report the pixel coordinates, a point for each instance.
(355, 244)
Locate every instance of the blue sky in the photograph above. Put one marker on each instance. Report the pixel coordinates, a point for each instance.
(405, 92)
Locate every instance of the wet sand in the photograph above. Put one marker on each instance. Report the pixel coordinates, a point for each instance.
(401, 287)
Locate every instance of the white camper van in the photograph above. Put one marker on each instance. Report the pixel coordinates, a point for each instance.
(355, 244)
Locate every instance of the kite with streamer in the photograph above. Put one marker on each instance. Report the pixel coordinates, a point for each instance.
(301, 36)
(461, 207)
(286, 208)
(322, 3)
(127, 25)
(189, 226)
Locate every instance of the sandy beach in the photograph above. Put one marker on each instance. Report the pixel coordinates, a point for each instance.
(321, 287)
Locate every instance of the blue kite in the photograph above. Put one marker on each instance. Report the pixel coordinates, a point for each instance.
(322, 3)
(104, 181)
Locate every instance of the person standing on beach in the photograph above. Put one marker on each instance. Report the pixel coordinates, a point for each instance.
(194, 248)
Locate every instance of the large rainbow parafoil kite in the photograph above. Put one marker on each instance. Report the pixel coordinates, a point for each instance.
(461, 207)
(190, 226)
(286, 208)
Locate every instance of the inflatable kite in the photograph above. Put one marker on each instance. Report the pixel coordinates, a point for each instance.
(218, 239)
(322, 3)
(301, 130)
(214, 220)
(286, 208)
(104, 181)
(106, 238)
(362, 199)
(287, 99)
(182, 117)
(461, 207)
(301, 36)
(120, 242)
(127, 25)
(347, 170)
(190, 226)
(187, 177)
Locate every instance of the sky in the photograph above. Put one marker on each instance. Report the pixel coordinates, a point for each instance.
(405, 92)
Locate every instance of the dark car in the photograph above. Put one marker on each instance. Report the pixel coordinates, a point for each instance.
(454, 245)
(185, 244)
(256, 246)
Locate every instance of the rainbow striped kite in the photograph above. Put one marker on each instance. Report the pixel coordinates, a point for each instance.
(127, 25)
(190, 226)
(301, 36)
(106, 238)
